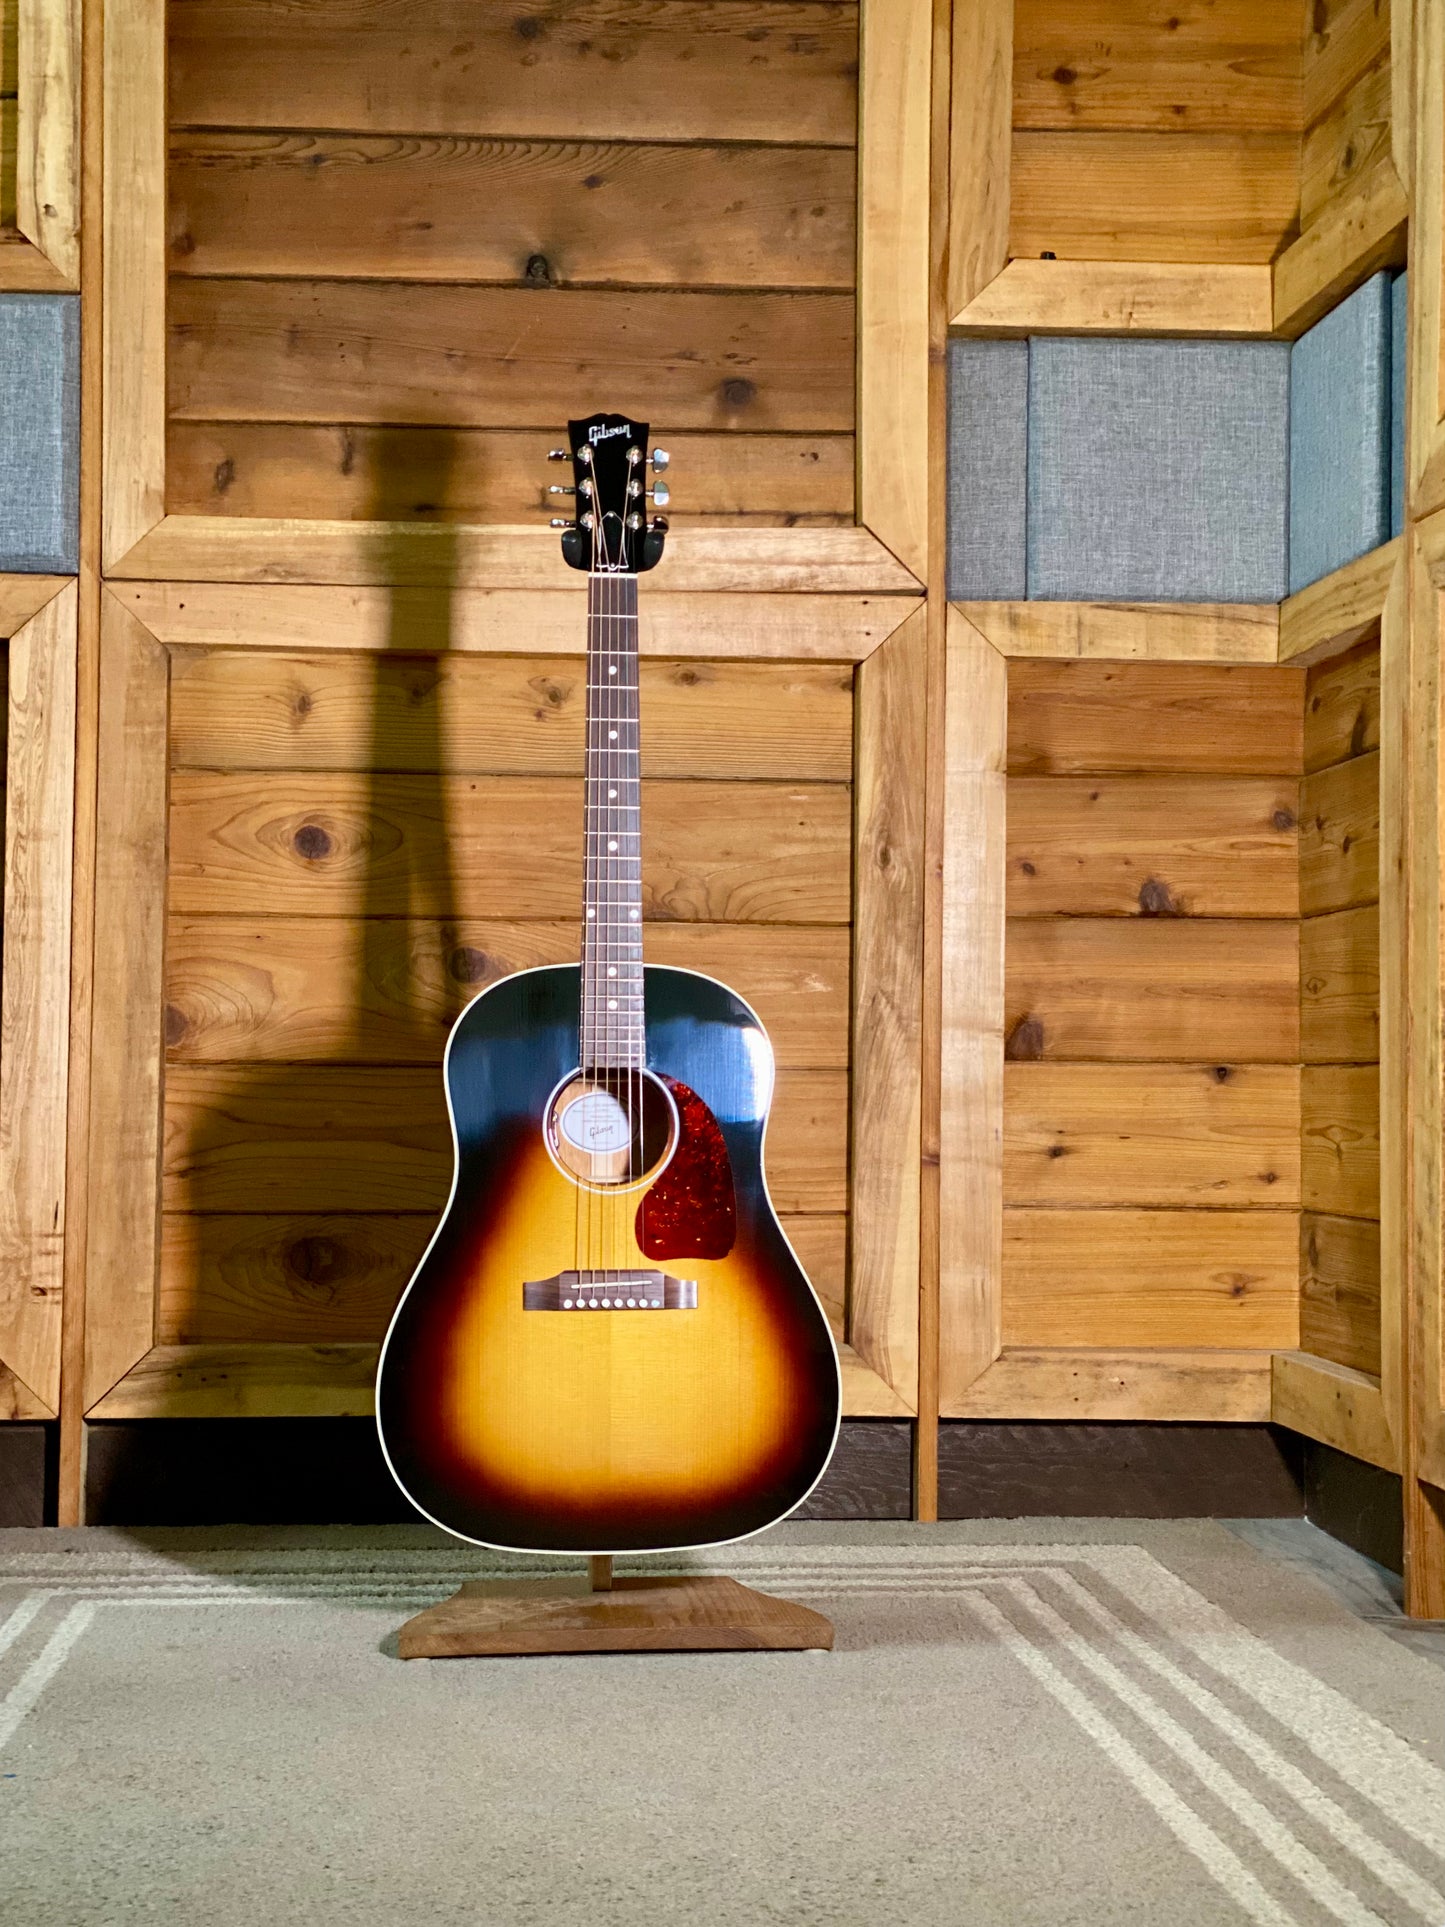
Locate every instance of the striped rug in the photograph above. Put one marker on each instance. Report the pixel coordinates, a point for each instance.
(1160, 1725)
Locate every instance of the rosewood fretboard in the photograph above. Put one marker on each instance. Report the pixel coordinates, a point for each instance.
(612, 1016)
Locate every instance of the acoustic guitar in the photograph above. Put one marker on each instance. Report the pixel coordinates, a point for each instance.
(609, 1345)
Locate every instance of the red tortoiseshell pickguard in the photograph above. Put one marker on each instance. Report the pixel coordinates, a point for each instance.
(690, 1212)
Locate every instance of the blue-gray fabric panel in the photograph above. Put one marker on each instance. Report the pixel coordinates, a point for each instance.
(1158, 470)
(1399, 305)
(1339, 437)
(988, 385)
(40, 432)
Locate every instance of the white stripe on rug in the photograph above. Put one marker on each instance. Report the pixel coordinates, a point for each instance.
(1273, 1836)
(14, 1624)
(42, 1669)
(1193, 1832)
(1386, 1866)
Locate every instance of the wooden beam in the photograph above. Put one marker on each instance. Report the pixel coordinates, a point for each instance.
(24, 596)
(894, 139)
(1047, 1382)
(971, 1144)
(1339, 610)
(1396, 836)
(330, 1381)
(1130, 631)
(134, 317)
(35, 1002)
(1334, 1404)
(313, 618)
(980, 147)
(125, 1102)
(47, 166)
(219, 548)
(1358, 234)
(1423, 1425)
(1121, 297)
(887, 962)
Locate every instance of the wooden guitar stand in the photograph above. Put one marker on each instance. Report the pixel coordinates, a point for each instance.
(603, 1615)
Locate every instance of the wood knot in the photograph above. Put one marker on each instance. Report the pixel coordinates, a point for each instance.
(1065, 76)
(1058, 1150)
(1155, 899)
(737, 393)
(528, 28)
(223, 475)
(311, 842)
(538, 272)
(1283, 819)
(177, 1025)
(1028, 869)
(1221, 1073)
(1025, 1043)
(468, 966)
(315, 1260)
(593, 180)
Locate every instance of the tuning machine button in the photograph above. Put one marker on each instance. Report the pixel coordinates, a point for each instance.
(661, 495)
(559, 454)
(660, 459)
(561, 522)
(557, 488)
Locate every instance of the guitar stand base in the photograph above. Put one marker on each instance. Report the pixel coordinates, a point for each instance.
(632, 1615)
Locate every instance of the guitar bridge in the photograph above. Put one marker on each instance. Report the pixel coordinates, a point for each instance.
(610, 1291)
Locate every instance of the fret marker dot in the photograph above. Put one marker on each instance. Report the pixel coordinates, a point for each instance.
(612, 970)
(612, 796)
(613, 670)
(592, 913)
(634, 914)
(612, 846)
(612, 1003)
(612, 735)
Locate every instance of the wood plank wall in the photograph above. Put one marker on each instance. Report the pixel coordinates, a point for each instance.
(1151, 1107)
(359, 844)
(1346, 101)
(1340, 1011)
(387, 224)
(1149, 134)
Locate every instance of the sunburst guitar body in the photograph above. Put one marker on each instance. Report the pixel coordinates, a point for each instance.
(610, 1345)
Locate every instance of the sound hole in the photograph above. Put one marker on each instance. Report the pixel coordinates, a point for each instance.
(612, 1127)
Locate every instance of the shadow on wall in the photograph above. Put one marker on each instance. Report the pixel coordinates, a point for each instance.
(305, 1176)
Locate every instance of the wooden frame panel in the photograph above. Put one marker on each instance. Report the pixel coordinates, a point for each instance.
(35, 990)
(41, 254)
(1426, 401)
(886, 552)
(127, 1373)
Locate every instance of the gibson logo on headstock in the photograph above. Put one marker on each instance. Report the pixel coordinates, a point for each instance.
(597, 434)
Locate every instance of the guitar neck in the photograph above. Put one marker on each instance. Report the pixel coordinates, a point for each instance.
(613, 1036)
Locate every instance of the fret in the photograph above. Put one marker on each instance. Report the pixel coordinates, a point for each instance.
(612, 1027)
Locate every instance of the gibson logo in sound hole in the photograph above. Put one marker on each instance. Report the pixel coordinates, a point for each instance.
(611, 1127)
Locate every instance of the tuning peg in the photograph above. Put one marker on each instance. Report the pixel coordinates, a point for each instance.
(556, 488)
(660, 459)
(661, 495)
(561, 522)
(559, 454)
(659, 524)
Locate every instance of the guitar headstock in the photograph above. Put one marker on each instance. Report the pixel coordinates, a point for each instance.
(612, 533)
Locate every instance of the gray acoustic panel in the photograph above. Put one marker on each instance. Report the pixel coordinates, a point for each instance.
(1339, 438)
(40, 432)
(1157, 470)
(988, 383)
(1399, 306)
